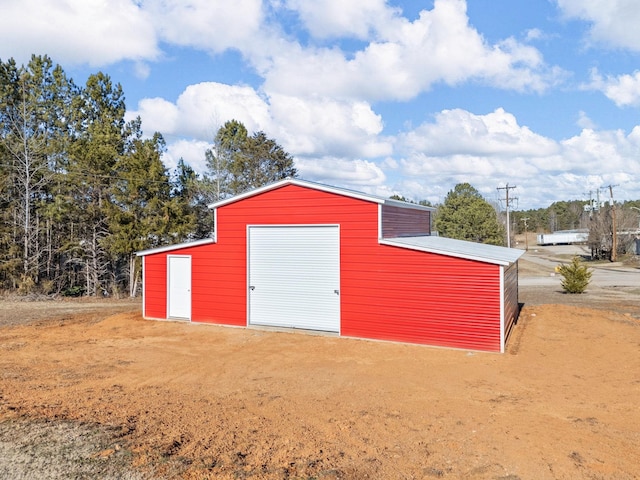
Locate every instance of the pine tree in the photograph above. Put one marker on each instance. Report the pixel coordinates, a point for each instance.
(194, 193)
(99, 141)
(466, 215)
(142, 213)
(33, 106)
(239, 162)
(576, 276)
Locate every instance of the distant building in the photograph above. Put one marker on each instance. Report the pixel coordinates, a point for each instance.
(563, 237)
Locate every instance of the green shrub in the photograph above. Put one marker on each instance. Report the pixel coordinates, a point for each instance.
(75, 291)
(576, 276)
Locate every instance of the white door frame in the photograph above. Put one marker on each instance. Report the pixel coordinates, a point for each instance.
(179, 293)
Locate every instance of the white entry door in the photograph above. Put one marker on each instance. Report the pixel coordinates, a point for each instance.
(179, 288)
(294, 277)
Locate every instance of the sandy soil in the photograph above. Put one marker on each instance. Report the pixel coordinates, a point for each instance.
(97, 395)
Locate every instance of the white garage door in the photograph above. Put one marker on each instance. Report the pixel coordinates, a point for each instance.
(179, 295)
(294, 277)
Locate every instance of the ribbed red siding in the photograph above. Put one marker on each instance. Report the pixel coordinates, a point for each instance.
(417, 297)
(387, 293)
(155, 286)
(219, 271)
(285, 206)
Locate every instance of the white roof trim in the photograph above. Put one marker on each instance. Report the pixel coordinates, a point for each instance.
(168, 248)
(403, 204)
(457, 248)
(318, 186)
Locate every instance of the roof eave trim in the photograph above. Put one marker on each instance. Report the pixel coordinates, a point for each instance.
(178, 246)
(447, 253)
(299, 183)
(403, 204)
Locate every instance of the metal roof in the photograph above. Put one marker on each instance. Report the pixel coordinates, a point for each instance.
(458, 248)
(320, 186)
(168, 248)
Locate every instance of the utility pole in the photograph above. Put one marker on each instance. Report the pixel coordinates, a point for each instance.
(526, 238)
(506, 189)
(636, 208)
(614, 227)
(594, 205)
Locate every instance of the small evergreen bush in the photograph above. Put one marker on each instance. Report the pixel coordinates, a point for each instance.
(576, 276)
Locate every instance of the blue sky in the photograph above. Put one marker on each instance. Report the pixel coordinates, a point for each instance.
(387, 97)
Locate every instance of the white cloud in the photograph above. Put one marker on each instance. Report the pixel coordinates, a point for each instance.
(623, 90)
(613, 22)
(142, 70)
(158, 114)
(460, 131)
(323, 135)
(400, 60)
(584, 121)
(341, 143)
(341, 171)
(322, 126)
(489, 150)
(192, 151)
(533, 34)
(205, 107)
(606, 152)
(202, 109)
(319, 87)
(210, 25)
(91, 32)
(312, 126)
(337, 18)
(98, 33)
(408, 58)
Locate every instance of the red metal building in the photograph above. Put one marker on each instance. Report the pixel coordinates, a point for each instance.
(297, 254)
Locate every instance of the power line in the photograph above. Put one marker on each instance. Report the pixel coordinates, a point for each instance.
(94, 176)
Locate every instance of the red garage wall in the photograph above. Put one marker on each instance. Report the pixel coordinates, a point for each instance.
(219, 271)
(154, 286)
(392, 293)
(387, 292)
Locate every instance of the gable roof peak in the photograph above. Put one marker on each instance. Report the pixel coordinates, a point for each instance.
(317, 186)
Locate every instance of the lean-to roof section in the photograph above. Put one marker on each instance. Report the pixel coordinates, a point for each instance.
(168, 248)
(457, 248)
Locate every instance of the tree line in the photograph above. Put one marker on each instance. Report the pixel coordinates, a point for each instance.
(599, 219)
(82, 189)
(466, 215)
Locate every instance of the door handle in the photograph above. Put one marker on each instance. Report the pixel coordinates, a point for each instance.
(252, 288)
(337, 292)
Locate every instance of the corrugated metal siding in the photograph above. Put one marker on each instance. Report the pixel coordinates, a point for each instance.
(386, 292)
(392, 293)
(511, 305)
(404, 222)
(219, 271)
(155, 286)
(215, 278)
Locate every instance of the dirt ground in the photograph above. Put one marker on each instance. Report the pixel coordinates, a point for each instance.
(91, 390)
